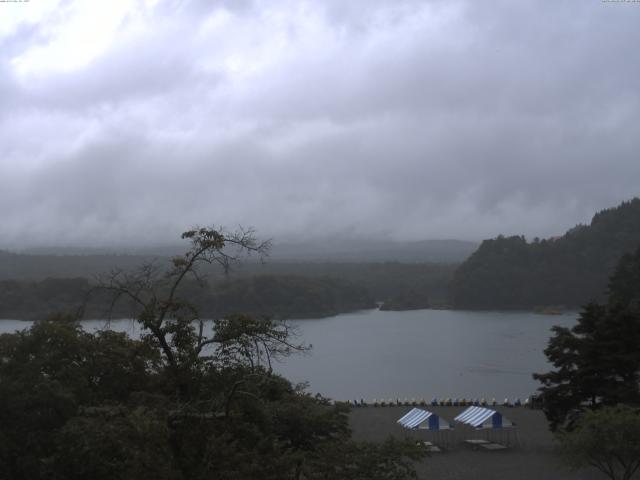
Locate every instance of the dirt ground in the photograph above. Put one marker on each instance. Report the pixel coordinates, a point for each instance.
(531, 453)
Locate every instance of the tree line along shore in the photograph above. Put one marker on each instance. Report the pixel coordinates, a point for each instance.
(546, 275)
(182, 402)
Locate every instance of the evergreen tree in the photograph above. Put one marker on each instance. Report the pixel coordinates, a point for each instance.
(571, 270)
(597, 362)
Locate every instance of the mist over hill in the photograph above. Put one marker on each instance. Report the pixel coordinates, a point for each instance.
(70, 262)
(570, 270)
(502, 273)
(297, 280)
(435, 251)
(324, 250)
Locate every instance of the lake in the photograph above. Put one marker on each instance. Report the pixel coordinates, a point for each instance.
(414, 354)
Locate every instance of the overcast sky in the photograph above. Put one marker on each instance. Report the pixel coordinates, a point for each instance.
(129, 121)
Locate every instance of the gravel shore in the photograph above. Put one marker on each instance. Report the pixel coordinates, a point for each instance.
(530, 454)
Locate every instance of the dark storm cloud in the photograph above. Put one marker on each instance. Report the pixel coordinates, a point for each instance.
(400, 119)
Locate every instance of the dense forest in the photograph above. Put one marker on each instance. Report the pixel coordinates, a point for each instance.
(333, 258)
(274, 296)
(177, 403)
(281, 290)
(596, 362)
(77, 405)
(503, 273)
(280, 295)
(400, 284)
(296, 280)
(316, 250)
(509, 272)
(283, 296)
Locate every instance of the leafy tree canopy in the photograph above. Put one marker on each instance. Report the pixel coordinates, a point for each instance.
(607, 439)
(183, 402)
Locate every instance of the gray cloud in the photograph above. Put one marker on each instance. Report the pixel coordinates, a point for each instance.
(405, 120)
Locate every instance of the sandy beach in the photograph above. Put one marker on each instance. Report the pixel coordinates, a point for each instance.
(530, 454)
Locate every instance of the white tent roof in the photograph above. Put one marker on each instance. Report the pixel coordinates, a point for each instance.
(418, 418)
(480, 417)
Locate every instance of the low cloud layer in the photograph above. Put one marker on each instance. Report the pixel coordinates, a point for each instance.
(395, 119)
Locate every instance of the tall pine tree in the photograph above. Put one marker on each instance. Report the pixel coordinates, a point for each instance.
(597, 362)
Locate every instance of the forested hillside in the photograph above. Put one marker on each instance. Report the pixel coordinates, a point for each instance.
(34, 285)
(315, 257)
(281, 297)
(275, 296)
(509, 272)
(14, 266)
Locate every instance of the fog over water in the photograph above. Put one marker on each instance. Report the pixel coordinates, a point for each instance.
(125, 122)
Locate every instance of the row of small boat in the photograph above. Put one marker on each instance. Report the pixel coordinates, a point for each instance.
(442, 402)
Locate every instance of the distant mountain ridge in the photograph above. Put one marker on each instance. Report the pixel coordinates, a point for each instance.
(334, 251)
(37, 267)
(433, 251)
(509, 272)
(385, 272)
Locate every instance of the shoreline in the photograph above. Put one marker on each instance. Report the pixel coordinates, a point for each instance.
(567, 311)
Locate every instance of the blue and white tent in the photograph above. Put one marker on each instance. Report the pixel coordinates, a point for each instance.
(479, 417)
(421, 419)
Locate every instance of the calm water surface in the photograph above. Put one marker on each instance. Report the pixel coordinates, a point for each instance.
(425, 353)
(420, 353)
